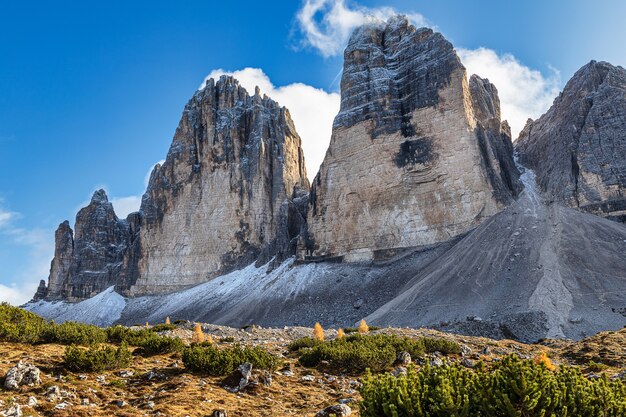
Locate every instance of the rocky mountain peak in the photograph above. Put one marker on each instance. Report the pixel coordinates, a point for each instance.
(235, 161)
(99, 197)
(578, 147)
(390, 70)
(410, 162)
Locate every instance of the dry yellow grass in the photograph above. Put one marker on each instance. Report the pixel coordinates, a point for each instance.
(167, 320)
(176, 392)
(340, 334)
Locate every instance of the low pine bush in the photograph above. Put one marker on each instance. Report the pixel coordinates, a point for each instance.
(513, 387)
(446, 347)
(305, 342)
(158, 345)
(163, 327)
(357, 353)
(96, 359)
(356, 329)
(72, 333)
(210, 360)
(20, 326)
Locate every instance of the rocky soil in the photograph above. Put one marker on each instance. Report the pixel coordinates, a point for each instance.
(160, 385)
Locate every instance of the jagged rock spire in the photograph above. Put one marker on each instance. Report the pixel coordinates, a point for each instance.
(409, 161)
(578, 147)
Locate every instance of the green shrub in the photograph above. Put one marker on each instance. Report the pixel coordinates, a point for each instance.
(357, 353)
(162, 327)
(305, 342)
(511, 388)
(149, 342)
(213, 361)
(95, 359)
(72, 333)
(157, 345)
(20, 326)
(596, 366)
(348, 330)
(446, 347)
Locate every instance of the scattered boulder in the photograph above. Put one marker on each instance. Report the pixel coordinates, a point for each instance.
(53, 393)
(465, 350)
(468, 363)
(22, 374)
(404, 358)
(436, 361)
(338, 410)
(219, 413)
(14, 411)
(239, 379)
(120, 403)
(401, 370)
(32, 402)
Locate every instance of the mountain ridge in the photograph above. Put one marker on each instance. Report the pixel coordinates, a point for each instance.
(422, 212)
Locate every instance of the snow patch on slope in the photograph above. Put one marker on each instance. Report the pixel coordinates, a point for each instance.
(101, 310)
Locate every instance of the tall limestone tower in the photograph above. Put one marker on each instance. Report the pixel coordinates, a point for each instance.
(418, 153)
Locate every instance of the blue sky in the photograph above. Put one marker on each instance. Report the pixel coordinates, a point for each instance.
(91, 92)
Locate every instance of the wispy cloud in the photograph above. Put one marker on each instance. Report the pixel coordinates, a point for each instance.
(326, 25)
(6, 217)
(39, 246)
(524, 92)
(312, 110)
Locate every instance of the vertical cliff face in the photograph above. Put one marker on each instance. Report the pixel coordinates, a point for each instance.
(494, 140)
(60, 267)
(88, 260)
(410, 161)
(578, 148)
(233, 190)
(223, 194)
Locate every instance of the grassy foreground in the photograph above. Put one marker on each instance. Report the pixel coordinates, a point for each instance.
(167, 369)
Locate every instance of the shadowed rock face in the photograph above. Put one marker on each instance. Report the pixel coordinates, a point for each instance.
(417, 155)
(232, 191)
(578, 148)
(221, 199)
(89, 260)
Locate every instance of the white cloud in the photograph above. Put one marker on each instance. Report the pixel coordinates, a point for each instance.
(523, 92)
(6, 217)
(326, 25)
(312, 109)
(40, 249)
(18, 294)
(123, 206)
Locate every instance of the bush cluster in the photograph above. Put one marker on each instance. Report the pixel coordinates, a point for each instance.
(96, 358)
(20, 326)
(357, 353)
(163, 327)
(210, 360)
(513, 387)
(305, 342)
(72, 333)
(349, 330)
(149, 342)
